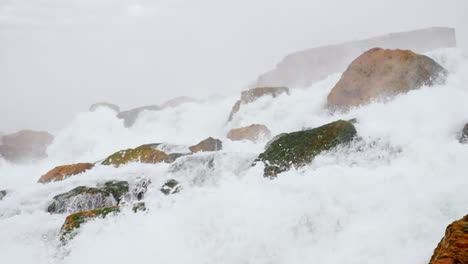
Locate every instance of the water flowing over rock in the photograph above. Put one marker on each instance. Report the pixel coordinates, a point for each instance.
(25, 145)
(170, 187)
(144, 154)
(95, 106)
(299, 148)
(81, 198)
(130, 116)
(453, 248)
(464, 134)
(381, 74)
(303, 68)
(62, 172)
(252, 133)
(252, 95)
(209, 144)
(117, 188)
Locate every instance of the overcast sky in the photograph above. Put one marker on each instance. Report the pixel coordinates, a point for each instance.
(59, 56)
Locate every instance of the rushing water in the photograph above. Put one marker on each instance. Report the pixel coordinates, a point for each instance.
(385, 200)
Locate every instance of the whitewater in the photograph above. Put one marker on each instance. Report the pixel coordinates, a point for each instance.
(385, 199)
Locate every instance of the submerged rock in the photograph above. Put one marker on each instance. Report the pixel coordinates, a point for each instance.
(464, 134)
(383, 73)
(453, 248)
(81, 198)
(209, 144)
(299, 148)
(170, 187)
(3, 193)
(62, 172)
(144, 154)
(252, 133)
(252, 95)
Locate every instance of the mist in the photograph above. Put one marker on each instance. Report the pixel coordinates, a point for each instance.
(58, 57)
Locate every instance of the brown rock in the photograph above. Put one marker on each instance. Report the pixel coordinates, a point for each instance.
(252, 133)
(25, 145)
(453, 248)
(252, 95)
(380, 73)
(209, 144)
(62, 172)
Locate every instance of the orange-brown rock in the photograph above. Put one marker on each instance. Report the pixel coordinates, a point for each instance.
(252, 133)
(209, 144)
(251, 95)
(383, 73)
(62, 172)
(25, 145)
(453, 248)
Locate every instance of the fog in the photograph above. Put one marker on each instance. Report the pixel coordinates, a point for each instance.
(57, 57)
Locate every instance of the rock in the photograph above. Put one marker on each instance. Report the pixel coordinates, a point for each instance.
(252, 95)
(81, 198)
(170, 187)
(209, 144)
(74, 221)
(130, 116)
(303, 68)
(299, 148)
(25, 145)
(252, 133)
(464, 135)
(3, 193)
(62, 172)
(95, 106)
(173, 156)
(178, 101)
(117, 188)
(144, 154)
(380, 74)
(453, 248)
(140, 188)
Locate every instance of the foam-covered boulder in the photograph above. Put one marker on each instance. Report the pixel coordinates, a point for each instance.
(130, 116)
(253, 133)
(144, 154)
(62, 172)
(170, 187)
(299, 148)
(381, 74)
(252, 95)
(209, 144)
(453, 248)
(25, 145)
(81, 198)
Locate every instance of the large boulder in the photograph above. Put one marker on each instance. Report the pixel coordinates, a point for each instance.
(144, 154)
(453, 248)
(383, 73)
(25, 145)
(299, 148)
(209, 144)
(81, 198)
(252, 95)
(464, 134)
(252, 133)
(95, 106)
(62, 172)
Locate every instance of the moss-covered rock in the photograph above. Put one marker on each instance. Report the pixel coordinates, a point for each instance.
(117, 188)
(170, 187)
(3, 193)
(453, 248)
(81, 198)
(62, 172)
(299, 148)
(144, 154)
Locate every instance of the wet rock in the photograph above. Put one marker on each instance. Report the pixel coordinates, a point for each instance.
(252, 133)
(81, 198)
(140, 188)
(130, 116)
(144, 154)
(252, 95)
(174, 156)
(209, 144)
(3, 193)
(170, 187)
(62, 172)
(117, 188)
(299, 148)
(464, 135)
(453, 248)
(95, 106)
(25, 145)
(383, 73)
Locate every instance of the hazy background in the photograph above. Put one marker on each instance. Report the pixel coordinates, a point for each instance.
(57, 57)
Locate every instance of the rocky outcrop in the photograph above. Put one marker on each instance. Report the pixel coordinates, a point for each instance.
(252, 95)
(299, 148)
(95, 106)
(81, 198)
(209, 144)
(381, 74)
(464, 135)
(303, 68)
(453, 248)
(144, 154)
(25, 145)
(62, 172)
(170, 187)
(252, 133)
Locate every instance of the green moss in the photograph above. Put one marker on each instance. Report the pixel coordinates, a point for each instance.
(117, 188)
(139, 207)
(145, 154)
(170, 187)
(299, 148)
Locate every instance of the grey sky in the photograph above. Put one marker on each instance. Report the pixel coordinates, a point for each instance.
(57, 57)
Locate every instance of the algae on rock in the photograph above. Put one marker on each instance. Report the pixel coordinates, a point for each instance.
(144, 154)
